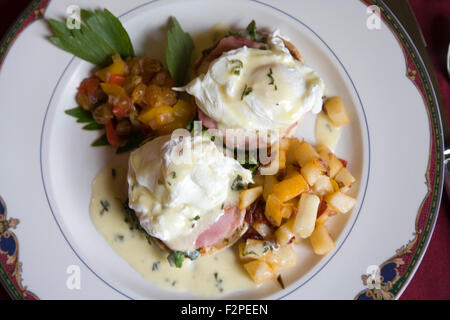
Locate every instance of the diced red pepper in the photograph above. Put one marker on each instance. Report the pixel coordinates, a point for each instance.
(111, 134)
(119, 112)
(116, 79)
(89, 86)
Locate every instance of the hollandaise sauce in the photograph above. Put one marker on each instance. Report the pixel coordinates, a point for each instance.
(206, 276)
(326, 133)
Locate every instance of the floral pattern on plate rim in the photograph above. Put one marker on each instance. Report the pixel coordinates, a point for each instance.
(397, 271)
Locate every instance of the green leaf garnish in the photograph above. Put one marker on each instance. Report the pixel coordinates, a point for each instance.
(100, 36)
(84, 116)
(251, 31)
(93, 126)
(134, 141)
(178, 53)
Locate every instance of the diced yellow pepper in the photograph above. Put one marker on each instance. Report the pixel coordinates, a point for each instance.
(117, 67)
(113, 89)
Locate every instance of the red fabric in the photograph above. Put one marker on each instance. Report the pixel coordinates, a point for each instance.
(431, 280)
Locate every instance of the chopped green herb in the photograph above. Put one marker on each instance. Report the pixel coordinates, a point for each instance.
(237, 184)
(192, 254)
(178, 53)
(155, 266)
(246, 253)
(247, 90)
(119, 238)
(233, 34)
(174, 174)
(160, 182)
(238, 65)
(267, 245)
(176, 258)
(219, 282)
(105, 206)
(272, 80)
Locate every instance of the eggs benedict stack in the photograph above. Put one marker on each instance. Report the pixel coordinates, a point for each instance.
(255, 85)
(184, 193)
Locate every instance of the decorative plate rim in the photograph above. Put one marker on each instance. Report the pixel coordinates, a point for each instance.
(413, 252)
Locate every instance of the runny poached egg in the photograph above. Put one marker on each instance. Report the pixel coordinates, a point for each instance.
(181, 190)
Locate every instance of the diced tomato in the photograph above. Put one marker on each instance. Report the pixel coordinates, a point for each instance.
(344, 162)
(116, 79)
(89, 86)
(111, 134)
(122, 108)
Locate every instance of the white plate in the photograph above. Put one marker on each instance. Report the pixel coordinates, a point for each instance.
(393, 145)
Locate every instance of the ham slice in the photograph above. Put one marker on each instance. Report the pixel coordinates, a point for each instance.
(222, 229)
(231, 43)
(206, 121)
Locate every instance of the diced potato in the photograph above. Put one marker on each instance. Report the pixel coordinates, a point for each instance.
(305, 218)
(305, 153)
(333, 162)
(313, 169)
(252, 248)
(263, 229)
(340, 201)
(334, 107)
(291, 170)
(284, 233)
(323, 185)
(335, 185)
(344, 178)
(290, 188)
(321, 240)
(259, 271)
(248, 196)
(322, 219)
(281, 259)
(273, 210)
(290, 155)
(269, 182)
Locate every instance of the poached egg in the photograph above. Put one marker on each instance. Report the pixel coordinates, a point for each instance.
(258, 89)
(181, 187)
